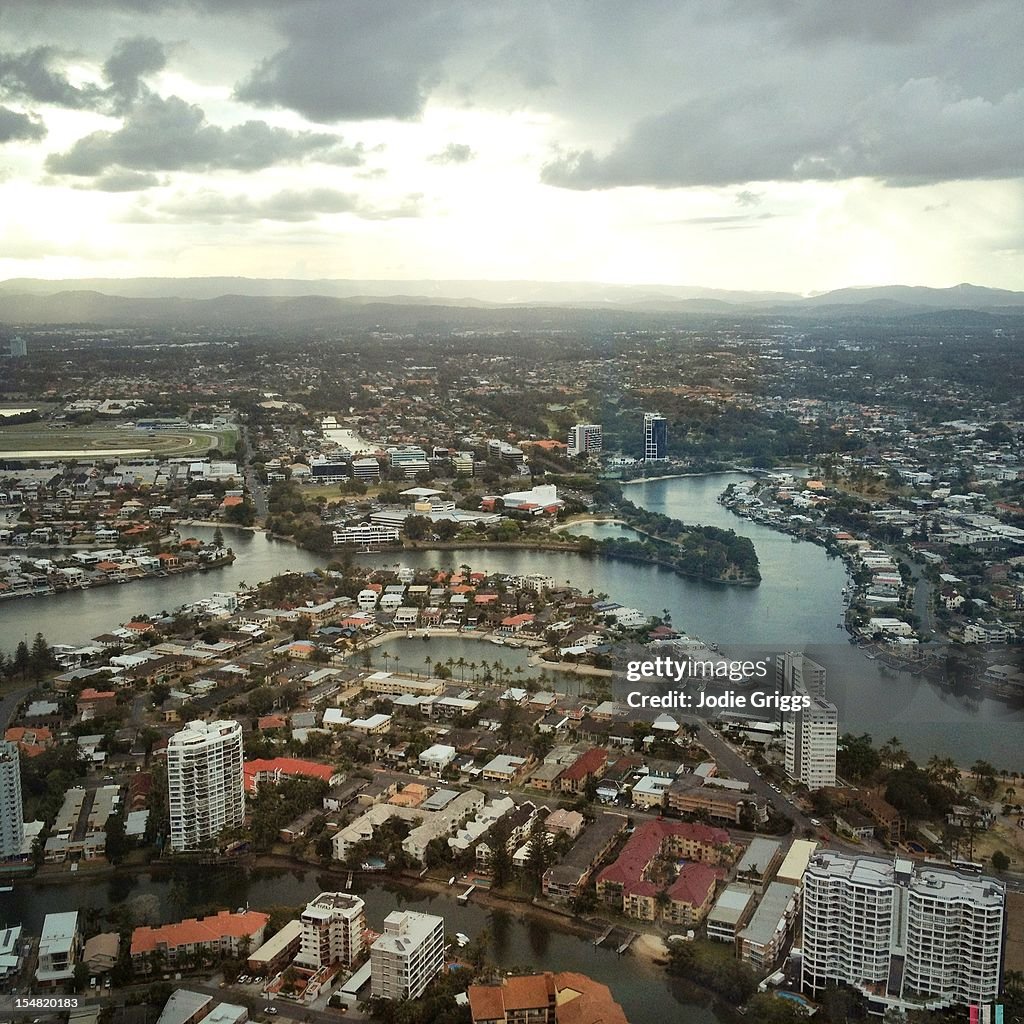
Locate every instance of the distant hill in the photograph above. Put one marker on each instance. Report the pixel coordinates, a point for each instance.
(452, 292)
(961, 296)
(251, 302)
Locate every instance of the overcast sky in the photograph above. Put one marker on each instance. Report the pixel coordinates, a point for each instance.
(760, 144)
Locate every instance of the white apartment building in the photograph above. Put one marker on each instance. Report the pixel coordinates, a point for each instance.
(12, 811)
(796, 673)
(906, 936)
(407, 956)
(204, 782)
(366, 533)
(60, 948)
(585, 439)
(332, 930)
(812, 735)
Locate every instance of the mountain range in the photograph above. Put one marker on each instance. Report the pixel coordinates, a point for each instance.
(283, 302)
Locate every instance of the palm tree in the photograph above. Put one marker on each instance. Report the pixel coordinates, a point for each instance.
(892, 752)
(428, 661)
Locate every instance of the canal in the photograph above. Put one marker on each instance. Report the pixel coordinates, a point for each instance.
(514, 939)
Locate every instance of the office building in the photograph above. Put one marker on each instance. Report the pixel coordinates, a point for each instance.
(17, 348)
(332, 930)
(410, 459)
(407, 956)
(205, 783)
(585, 439)
(12, 812)
(655, 437)
(907, 936)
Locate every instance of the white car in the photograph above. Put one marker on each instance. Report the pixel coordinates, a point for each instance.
(815, 822)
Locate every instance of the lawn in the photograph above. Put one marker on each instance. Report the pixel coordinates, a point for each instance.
(96, 439)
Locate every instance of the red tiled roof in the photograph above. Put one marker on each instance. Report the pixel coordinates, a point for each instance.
(284, 766)
(586, 764)
(193, 931)
(693, 884)
(519, 620)
(90, 694)
(644, 845)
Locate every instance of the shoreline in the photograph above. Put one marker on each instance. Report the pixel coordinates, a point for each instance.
(682, 476)
(582, 520)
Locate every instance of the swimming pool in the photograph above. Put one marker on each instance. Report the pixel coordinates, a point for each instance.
(801, 1001)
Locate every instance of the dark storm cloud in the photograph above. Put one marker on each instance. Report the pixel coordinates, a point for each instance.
(917, 133)
(453, 153)
(131, 62)
(347, 60)
(172, 135)
(34, 75)
(664, 93)
(15, 126)
(288, 205)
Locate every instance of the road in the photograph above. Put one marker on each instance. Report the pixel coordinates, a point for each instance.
(9, 703)
(922, 597)
(252, 480)
(239, 995)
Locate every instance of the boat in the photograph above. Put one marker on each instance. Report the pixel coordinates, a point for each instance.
(462, 938)
(496, 640)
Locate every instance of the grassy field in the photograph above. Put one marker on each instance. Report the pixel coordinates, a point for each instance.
(96, 439)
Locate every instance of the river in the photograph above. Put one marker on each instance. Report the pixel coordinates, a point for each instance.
(75, 616)
(643, 989)
(797, 607)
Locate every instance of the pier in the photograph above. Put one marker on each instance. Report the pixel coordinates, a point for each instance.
(463, 898)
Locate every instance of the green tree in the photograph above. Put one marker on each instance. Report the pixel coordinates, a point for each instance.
(539, 856)
(22, 659)
(501, 859)
(41, 658)
(117, 842)
(1000, 862)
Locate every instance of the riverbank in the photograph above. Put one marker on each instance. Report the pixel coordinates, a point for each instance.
(681, 476)
(583, 520)
(120, 579)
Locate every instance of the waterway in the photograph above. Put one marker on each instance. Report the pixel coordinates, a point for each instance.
(643, 989)
(797, 607)
(75, 616)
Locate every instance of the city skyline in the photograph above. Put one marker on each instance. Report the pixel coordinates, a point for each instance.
(784, 147)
